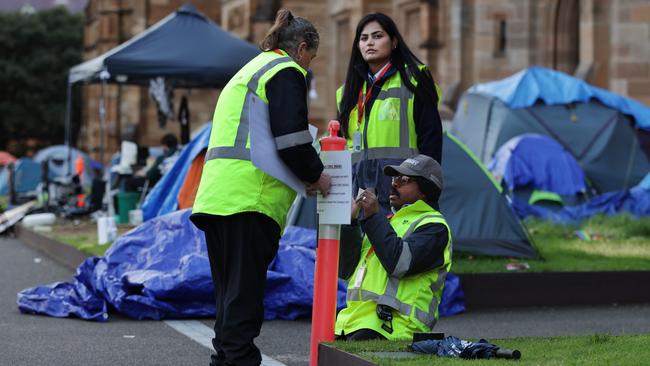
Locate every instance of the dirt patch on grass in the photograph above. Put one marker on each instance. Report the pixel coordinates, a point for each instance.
(81, 234)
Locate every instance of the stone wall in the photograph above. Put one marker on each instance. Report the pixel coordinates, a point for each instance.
(630, 56)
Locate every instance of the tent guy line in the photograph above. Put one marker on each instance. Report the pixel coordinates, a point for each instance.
(202, 334)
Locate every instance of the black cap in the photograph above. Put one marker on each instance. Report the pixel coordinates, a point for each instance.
(418, 166)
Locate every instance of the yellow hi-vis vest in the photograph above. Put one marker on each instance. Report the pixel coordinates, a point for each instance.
(389, 131)
(414, 298)
(230, 183)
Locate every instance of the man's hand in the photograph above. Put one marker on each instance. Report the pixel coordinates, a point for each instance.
(355, 210)
(367, 200)
(323, 185)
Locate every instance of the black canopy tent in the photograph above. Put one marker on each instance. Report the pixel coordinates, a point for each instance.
(186, 48)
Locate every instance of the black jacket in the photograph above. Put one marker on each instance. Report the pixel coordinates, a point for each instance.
(287, 95)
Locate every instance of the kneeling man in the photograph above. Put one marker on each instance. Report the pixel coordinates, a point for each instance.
(403, 260)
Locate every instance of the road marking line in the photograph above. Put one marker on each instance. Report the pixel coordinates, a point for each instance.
(202, 334)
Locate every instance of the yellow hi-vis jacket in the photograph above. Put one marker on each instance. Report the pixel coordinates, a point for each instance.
(414, 298)
(230, 183)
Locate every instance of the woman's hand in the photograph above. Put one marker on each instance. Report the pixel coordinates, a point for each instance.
(323, 184)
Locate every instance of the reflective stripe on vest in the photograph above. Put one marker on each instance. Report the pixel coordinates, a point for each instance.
(240, 151)
(389, 297)
(293, 139)
(428, 318)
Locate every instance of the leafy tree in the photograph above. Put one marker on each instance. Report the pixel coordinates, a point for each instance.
(37, 51)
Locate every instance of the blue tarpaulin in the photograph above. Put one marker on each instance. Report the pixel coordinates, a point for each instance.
(645, 182)
(635, 201)
(163, 198)
(167, 275)
(526, 87)
(539, 162)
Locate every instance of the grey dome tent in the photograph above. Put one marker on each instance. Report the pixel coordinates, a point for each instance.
(596, 126)
(476, 210)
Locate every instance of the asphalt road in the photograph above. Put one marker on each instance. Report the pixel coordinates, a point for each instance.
(40, 340)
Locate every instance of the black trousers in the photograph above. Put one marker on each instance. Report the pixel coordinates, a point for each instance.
(360, 335)
(240, 248)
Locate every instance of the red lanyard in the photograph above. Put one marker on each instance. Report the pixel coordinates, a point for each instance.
(364, 101)
(372, 250)
(278, 52)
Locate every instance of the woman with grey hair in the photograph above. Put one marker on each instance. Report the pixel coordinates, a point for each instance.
(241, 209)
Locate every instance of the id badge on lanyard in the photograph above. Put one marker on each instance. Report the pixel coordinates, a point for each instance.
(363, 101)
(356, 136)
(356, 141)
(361, 273)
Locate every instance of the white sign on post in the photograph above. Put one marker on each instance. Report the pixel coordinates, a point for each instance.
(336, 208)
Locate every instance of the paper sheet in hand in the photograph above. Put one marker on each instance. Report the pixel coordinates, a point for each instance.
(264, 154)
(336, 208)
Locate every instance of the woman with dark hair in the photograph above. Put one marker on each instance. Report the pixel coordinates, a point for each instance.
(387, 106)
(240, 208)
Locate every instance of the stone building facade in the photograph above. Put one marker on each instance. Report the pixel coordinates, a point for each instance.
(605, 42)
(130, 110)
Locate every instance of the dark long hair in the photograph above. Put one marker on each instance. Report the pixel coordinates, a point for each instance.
(402, 58)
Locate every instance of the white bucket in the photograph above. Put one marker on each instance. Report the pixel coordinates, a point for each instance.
(135, 217)
(106, 230)
(102, 230)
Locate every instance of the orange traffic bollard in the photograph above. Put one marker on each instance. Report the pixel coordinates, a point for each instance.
(327, 265)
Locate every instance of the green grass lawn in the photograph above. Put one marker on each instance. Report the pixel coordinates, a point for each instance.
(84, 242)
(83, 236)
(582, 350)
(617, 243)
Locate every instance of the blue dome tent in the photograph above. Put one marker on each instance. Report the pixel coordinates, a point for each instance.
(535, 167)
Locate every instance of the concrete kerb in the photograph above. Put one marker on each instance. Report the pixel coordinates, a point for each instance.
(64, 254)
(328, 355)
(527, 289)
